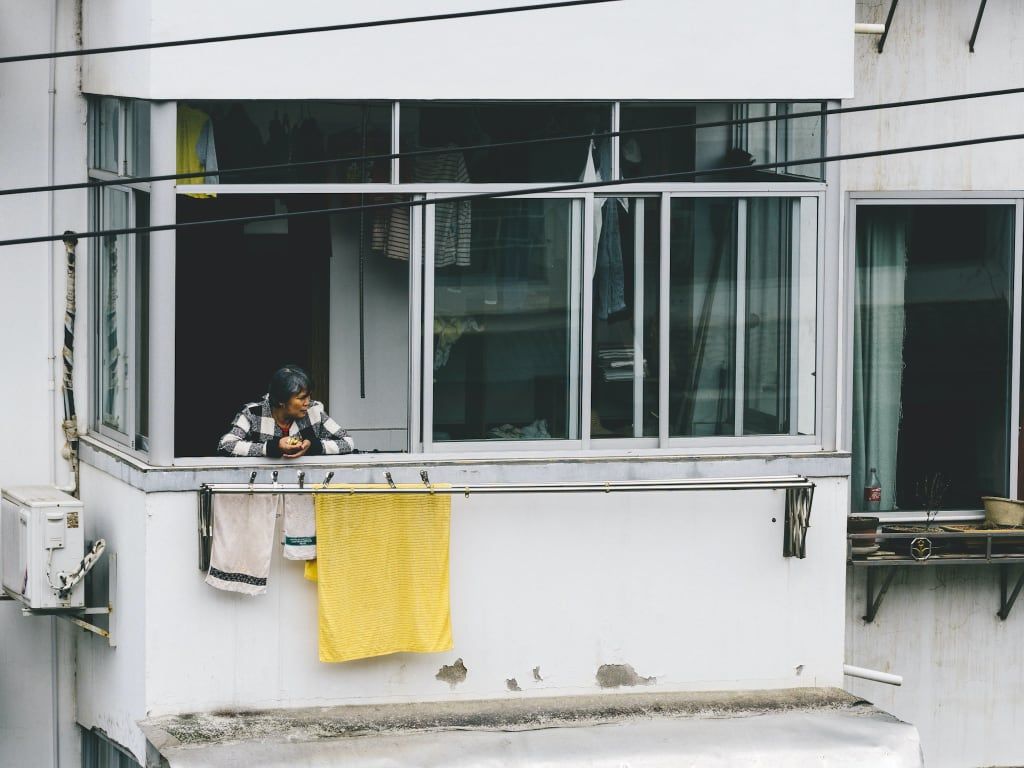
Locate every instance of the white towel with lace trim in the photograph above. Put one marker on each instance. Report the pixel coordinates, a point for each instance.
(243, 541)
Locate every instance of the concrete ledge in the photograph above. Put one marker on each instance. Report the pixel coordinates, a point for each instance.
(791, 727)
(458, 469)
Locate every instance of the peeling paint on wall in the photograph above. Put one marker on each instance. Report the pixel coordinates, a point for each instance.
(512, 685)
(618, 675)
(453, 674)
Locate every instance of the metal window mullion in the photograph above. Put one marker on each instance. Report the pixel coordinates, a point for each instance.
(663, 319)
(130, 325)
(414, 439)
(95, 309)
(794, 314)
(427, 417)
(741, 311)
(616, 139)
(1015, 383)
(122, 137)
(638, 317)
(586, 283)
(579, 359)
(396, 110)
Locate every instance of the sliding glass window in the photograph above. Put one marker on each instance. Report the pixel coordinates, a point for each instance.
(118, 150)
(742, 316)
(626, 304)
(504, 308)
(121, 322)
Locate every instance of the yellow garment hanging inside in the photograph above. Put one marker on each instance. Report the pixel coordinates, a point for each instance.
(382, 573)
(190, 125)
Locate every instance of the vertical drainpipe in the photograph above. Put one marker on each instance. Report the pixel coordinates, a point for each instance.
(51, 357)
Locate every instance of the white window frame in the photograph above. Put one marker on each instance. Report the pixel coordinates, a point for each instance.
(420, 285)
(857, 199)
(129, 439)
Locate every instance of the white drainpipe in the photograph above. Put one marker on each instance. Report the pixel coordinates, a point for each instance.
(872, 674)
(869, 29)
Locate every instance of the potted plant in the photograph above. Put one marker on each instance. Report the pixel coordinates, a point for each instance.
(929, 492)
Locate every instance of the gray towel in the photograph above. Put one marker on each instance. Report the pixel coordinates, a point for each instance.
(243, 541)
(299, 527)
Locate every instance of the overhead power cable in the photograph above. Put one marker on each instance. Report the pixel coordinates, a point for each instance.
(506, 144)
(524, 190)
(301, 30)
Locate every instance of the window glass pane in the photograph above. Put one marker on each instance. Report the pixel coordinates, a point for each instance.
(427, 126)
(675, 150)
(625, 325)
(503, 325)
(932, 358)
(100, 752)
(702, 317)
(236, 134)
(113, 331)
(141, 320)
(106, 124)
(780, 317)
(138, 138)
(743, 316)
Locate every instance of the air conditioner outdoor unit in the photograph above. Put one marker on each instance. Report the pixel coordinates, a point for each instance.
(41, 541)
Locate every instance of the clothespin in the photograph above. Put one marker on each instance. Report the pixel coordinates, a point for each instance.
(391, 482)
(252, 479)
(302, 479)
(327, 480)
(426, 479)
(273, 477)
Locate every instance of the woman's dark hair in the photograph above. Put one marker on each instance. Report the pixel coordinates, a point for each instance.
(286, 383)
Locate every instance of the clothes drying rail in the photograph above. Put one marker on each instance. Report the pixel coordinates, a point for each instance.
(797, 510)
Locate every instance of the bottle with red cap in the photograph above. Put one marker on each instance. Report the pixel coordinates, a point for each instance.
(872, 492)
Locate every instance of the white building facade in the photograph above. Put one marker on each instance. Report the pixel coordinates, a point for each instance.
(511, 339)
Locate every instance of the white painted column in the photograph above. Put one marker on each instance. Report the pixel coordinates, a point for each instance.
(162, 158)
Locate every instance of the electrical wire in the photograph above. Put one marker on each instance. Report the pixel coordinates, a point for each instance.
(301, 30)
(659, 177)
(92, 183)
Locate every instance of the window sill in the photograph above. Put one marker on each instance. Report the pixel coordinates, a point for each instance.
(525, 466)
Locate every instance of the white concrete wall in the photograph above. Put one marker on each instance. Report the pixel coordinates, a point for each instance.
(111, 682)
(693, 591)
(667, 49)
(962, 666)
(926, 55)
(28, 696)
(28, 453)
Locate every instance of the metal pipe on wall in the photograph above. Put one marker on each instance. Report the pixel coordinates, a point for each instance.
(872, 674)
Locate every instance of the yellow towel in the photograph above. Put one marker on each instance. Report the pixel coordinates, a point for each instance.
(382, 574)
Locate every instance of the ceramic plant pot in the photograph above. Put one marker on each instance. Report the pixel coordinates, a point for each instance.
(1003, 512)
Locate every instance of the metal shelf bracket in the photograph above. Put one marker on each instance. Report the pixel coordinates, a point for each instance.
(874, 601)
(1006, 604)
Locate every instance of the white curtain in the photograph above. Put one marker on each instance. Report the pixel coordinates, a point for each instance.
(879, 327)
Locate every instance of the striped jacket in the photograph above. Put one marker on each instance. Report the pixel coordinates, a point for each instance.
(255, 433)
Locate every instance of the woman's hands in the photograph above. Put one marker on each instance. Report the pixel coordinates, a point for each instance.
(292, 446)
